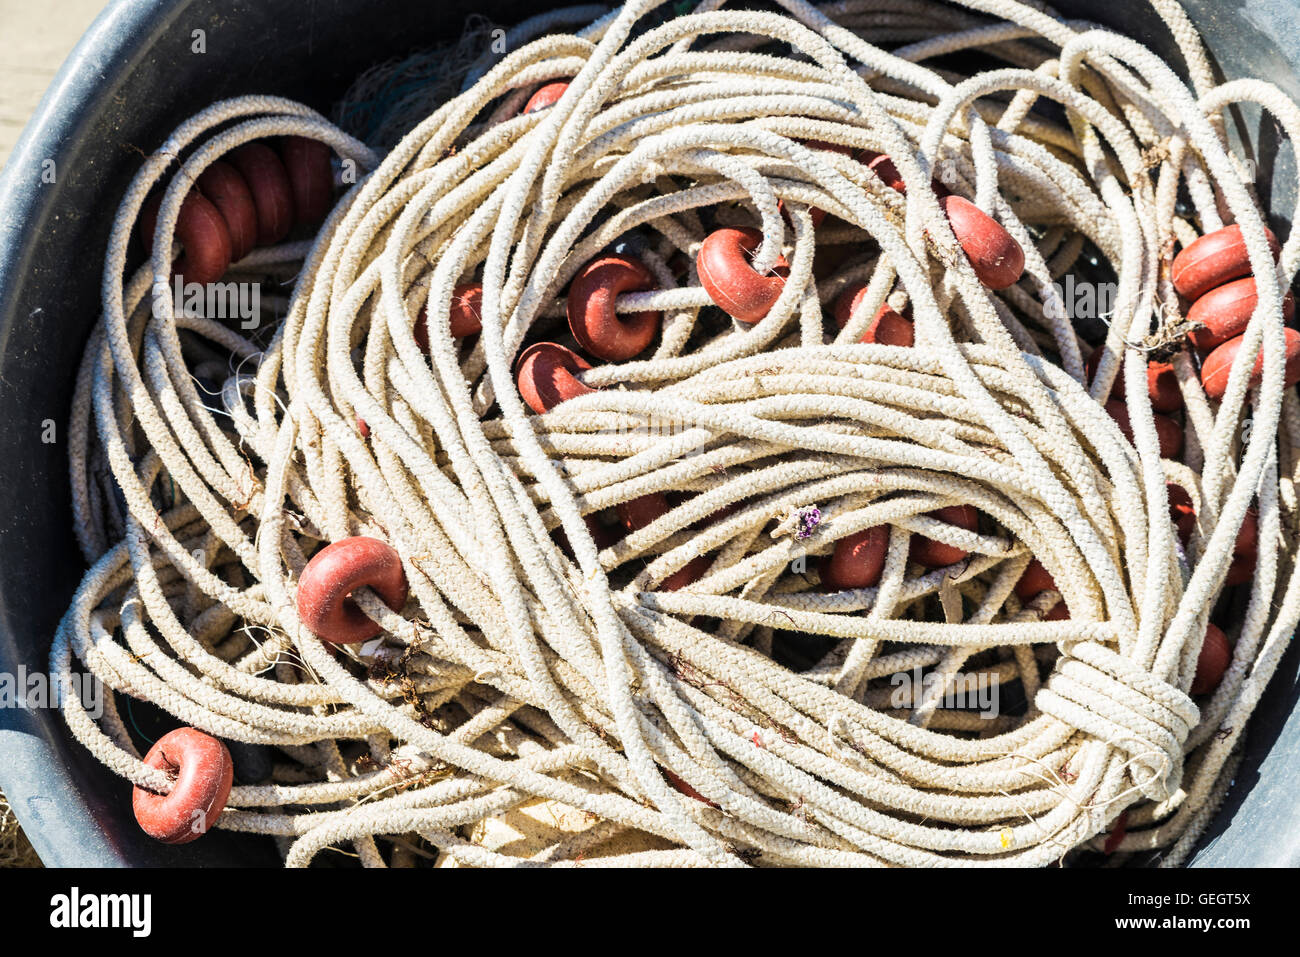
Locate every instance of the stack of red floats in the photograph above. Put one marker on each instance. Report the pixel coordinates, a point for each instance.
(1214, 271)
(252, 197)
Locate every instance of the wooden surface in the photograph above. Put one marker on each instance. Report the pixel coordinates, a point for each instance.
(35, 37)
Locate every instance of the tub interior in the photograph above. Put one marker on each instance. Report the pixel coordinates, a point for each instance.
(133, 78)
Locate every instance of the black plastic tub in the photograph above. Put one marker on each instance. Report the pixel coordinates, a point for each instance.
(134, 77)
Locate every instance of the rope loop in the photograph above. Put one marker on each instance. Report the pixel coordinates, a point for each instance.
(1103, 694)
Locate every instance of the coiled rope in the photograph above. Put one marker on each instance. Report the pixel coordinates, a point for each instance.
(750, 715)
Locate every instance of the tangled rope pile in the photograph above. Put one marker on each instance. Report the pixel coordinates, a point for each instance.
(705, 677)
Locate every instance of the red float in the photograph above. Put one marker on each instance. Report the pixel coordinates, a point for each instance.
(932, 554)
(1035, 580)
(1213, 661)
(858, 559)
(1181, 512)
(202, 774)
(545, 96)
(226, 189)
(1247, 542)
(1240, 570)
(1224, 312)
(465, 319)
(592, 319)
(334, 573)
(639, 512)
(729, 278)
(603, 536)
(307, 162)
(1218, 364)
(201, 230)
(888, 327)
(994, 254)
(1169, 434)
(1214, 259)
(546, 374)
(1162, 383)
(268, 181)
(884, 167)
